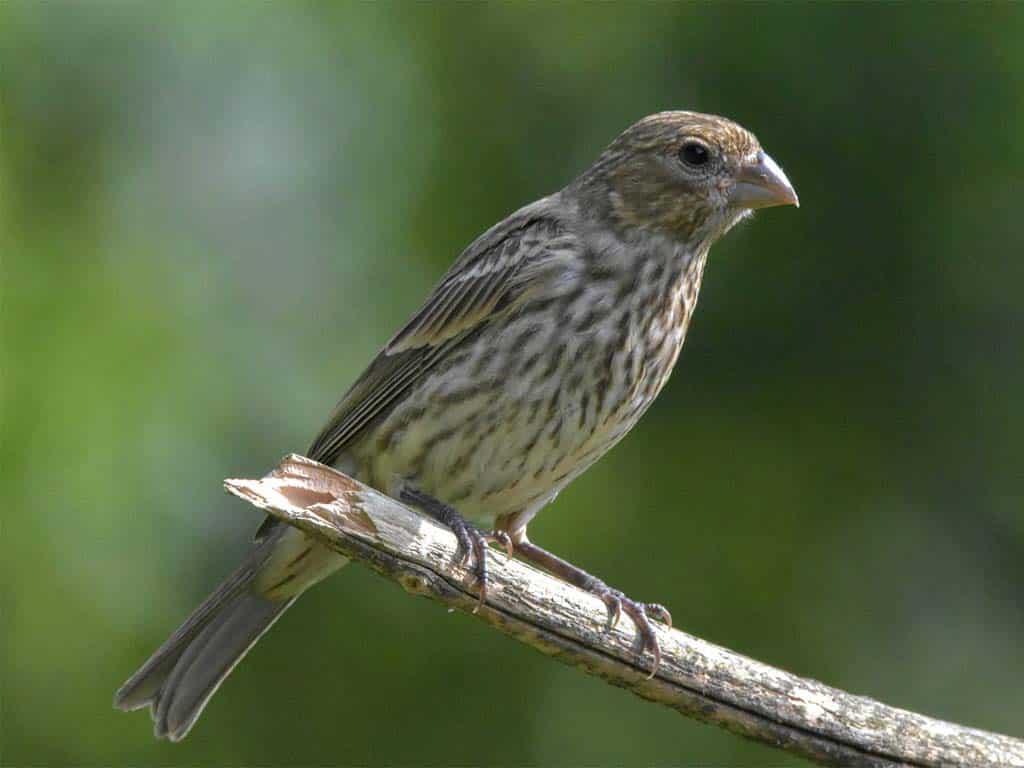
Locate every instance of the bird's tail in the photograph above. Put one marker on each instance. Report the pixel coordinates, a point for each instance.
(180, 677)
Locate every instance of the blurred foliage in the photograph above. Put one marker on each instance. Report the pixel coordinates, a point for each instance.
(213, 215)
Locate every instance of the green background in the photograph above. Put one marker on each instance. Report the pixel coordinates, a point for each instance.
(213, 215)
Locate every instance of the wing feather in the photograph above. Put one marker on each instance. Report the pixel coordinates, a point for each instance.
(493, 275)
(462, 300)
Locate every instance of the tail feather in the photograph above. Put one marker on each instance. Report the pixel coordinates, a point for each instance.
(209, 659)
(142, 687)
(179, 679)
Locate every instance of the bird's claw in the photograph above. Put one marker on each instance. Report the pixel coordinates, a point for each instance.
(613, 600)
(659, 612)
(502, 539)
(640, 613)
(471, 541)
(472, 551)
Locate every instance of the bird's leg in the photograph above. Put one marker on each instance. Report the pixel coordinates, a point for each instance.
(472, 541)
(641, 613)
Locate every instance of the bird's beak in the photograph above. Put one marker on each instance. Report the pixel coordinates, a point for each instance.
(762, 184)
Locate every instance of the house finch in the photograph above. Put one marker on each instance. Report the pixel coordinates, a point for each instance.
(538, 350)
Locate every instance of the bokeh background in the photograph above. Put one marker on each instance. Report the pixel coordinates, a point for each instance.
(214, 214)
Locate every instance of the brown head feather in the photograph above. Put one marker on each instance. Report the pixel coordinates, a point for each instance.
(642, 181)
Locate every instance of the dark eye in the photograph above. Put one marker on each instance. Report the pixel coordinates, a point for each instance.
(694, 153)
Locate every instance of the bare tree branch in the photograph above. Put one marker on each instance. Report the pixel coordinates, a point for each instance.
(698, 679)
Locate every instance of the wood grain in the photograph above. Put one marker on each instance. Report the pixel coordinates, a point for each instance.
(696, 678)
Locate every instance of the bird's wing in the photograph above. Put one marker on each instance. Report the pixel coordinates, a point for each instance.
(494, 275)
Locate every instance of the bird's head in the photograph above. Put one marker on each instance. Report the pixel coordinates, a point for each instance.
(685, 175)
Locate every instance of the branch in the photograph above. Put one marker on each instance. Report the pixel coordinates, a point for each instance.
(698, 679)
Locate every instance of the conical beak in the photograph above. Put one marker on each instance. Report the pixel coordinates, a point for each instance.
(762, 184)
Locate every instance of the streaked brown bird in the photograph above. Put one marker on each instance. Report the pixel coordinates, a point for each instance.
(538, 350)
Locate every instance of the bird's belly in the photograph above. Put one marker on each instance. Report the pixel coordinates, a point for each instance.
(498, 438)
(493, 457)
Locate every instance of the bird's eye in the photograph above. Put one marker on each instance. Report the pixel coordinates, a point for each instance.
(695, 154)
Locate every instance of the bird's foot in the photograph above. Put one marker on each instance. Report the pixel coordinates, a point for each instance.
(640, 613)
(472, 542)
(502, 539)
(472, 539)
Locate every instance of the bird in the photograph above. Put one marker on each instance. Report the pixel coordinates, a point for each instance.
(536, 352)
